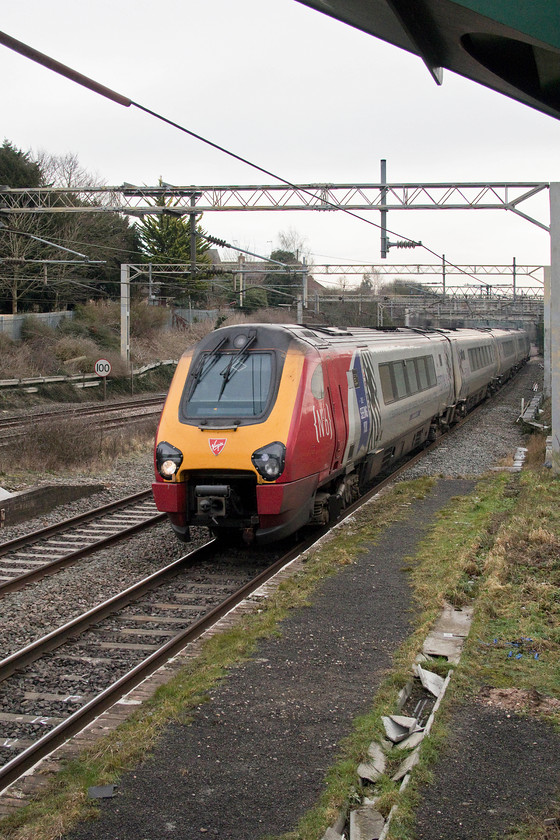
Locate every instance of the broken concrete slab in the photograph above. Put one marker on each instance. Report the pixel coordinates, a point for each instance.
(374, 766)
(454, 621)
(404, 694)
(407, 765)
(437, 704)
(366, 823)
(448, 646)
(336, 831)
(5, 494)
(430, 681)
(399, 727)
(412, 740)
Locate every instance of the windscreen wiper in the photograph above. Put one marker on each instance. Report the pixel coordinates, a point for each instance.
(206, 363)
(230, 370)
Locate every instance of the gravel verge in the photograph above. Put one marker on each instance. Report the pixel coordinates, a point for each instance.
(488, 439)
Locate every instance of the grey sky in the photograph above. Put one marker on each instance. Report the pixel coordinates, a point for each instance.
(298, 93)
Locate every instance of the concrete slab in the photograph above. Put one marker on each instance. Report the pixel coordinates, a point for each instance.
(366, 823)
(407, 765)
(336, 831)
(374, 766)
(398, 727)
(448, 646)
(430, 681)
(5, 494)
(455, 621)
(412, 740)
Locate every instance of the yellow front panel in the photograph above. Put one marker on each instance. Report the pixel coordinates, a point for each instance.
(241, 443)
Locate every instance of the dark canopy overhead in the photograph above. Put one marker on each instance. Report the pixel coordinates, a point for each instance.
(512, 47)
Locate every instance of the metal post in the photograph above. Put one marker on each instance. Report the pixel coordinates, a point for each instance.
(304, 284)
(299, 311)
(514, 279)
(383, 213)
(192, 217)
(125, 314)
(241, 280)
(554, 343)
(443, 274)
(547, 385)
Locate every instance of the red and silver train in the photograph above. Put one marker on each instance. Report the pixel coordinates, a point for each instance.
(269, 427)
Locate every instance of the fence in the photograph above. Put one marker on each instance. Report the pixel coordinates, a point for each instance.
(11, 325)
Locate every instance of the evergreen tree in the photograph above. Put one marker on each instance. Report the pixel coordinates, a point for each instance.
(285, 285)
(165, 238)
(17, 169)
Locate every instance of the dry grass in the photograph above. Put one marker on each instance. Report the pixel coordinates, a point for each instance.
(75, 443)
(94, 331)
(536, 450)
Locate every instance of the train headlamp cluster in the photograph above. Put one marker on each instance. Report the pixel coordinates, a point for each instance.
(269, 460)
(168, 459)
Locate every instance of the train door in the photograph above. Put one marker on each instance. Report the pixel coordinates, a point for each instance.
(338, 410)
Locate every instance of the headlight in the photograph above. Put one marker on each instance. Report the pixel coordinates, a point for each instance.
(168, 459)
(269, 460)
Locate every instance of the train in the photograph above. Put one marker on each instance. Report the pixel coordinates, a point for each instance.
(267, 428)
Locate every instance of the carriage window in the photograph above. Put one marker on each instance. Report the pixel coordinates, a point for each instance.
(399, 380)
(431, 368)
(508, 348)
(406, 377)
(413, 386)
(317, 384)
(480, 357)
(386, 384)
(230, 385)
(422, 372)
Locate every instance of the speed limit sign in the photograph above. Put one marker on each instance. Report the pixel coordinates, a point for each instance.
(102, 367)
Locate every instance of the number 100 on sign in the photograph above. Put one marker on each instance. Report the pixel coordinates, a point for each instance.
(102, 367)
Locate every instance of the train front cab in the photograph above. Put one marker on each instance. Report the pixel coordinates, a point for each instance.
(224, 450)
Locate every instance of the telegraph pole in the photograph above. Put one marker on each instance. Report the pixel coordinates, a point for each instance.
(383, 214)
(192, 217)
(554, 337)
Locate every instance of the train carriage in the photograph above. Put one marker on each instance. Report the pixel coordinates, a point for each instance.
(269, 427)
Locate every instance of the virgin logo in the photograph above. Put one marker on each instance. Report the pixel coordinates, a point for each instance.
(217, 444)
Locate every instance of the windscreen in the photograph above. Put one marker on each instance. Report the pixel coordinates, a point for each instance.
(230, 385)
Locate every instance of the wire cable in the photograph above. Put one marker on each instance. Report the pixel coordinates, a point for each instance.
(108, 93)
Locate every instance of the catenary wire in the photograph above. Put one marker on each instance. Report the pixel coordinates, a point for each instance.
(102, 90)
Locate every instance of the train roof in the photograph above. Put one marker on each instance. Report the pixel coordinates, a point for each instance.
(325, 335)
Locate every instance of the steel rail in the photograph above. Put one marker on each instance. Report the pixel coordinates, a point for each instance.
(34, 575)
(13, 769)
(79, 411)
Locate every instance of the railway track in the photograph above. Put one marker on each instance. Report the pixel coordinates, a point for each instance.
(48, 684)
(57, 685)
(33, 556)
(102, 415)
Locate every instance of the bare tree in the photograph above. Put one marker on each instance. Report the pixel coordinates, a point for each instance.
(19, 278)
(291, 240)
(66, 171)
